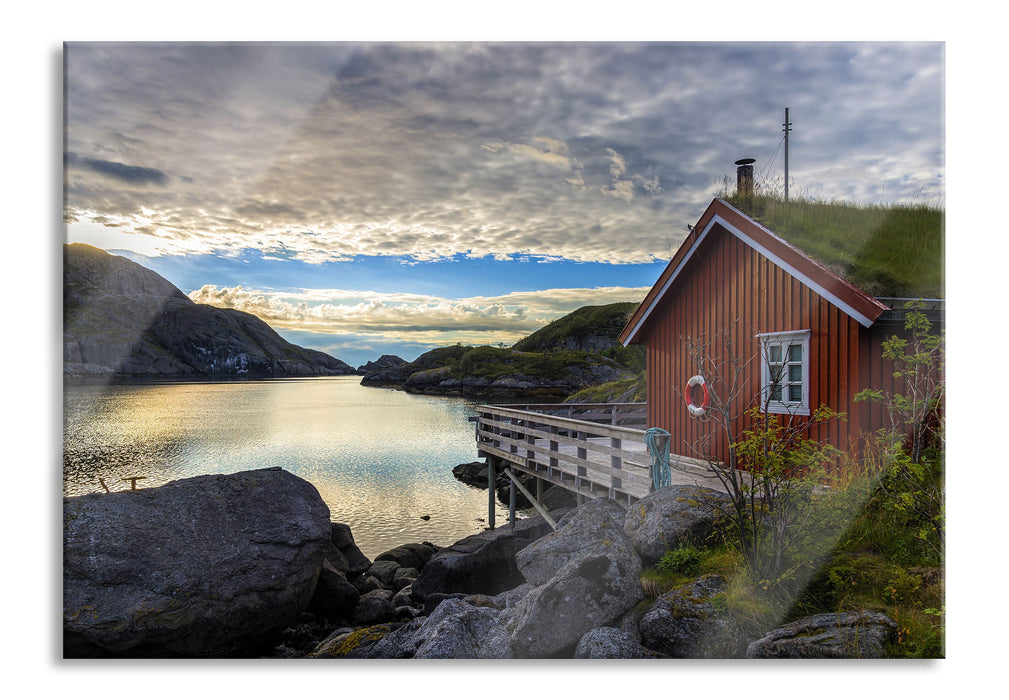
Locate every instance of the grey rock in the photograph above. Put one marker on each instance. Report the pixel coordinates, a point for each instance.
(457, 630)
(847, 635)
(432, 601)
(480, 563)
(357, 644)
(595, 528)
(365, 583)
(404, 577)
(685, 623)
(410, 556)
(611, 643)
(407, 612)
(334, 597)
(673, 516)
(508, 599)
(586, 593)
(384, 571)
(401, 643)
(584, 575)
(381, 593)
(472, 473)
(373, 610)
(558, 498)
(404, 596)
(351, 561)
(191, 568)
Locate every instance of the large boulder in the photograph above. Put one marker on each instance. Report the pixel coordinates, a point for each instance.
(196, 567)
(611, 643)
(595, 527)
(584, 575)
(585, 594)
(459, 630)
(847, 635)
(688, 623)
(673, 516)
(480, 563)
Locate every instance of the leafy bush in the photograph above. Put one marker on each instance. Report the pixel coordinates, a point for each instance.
(684, 560)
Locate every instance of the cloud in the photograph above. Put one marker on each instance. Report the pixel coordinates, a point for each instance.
(590, 152)
(132, 174)
(414, 318)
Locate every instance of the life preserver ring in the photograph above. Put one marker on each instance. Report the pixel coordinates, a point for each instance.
(697, 411)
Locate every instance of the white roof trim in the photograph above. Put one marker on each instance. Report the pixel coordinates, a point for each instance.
(806, 280)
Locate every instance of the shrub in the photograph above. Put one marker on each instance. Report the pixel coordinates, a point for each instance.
(684, 560)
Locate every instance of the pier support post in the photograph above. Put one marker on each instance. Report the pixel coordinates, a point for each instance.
(490, 492)
(511, 503)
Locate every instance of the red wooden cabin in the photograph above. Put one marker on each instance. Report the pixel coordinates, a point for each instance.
(782, 310)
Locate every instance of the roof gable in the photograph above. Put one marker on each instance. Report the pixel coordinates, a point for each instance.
(721, 217)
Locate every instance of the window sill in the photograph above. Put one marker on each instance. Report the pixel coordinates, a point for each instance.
(786, 410)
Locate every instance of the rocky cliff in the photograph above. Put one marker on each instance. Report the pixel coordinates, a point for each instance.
(498, 373)
(577, 351)
(119, 318)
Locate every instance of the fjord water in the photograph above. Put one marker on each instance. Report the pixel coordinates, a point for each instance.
(381, 459)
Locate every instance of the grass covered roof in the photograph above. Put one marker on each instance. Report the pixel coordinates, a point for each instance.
(887, 251)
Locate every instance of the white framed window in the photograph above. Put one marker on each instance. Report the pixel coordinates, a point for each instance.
(784, 369)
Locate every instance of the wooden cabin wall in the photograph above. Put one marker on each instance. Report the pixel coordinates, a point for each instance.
(730, 289)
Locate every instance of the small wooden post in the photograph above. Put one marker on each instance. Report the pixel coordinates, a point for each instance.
(616, 483)
(490, 492)
(133, 481)
(511, 504)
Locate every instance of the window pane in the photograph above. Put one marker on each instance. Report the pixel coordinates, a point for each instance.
(774, 353)
(777, 373)
(795, 392)
(776, 393)
(795, 373)
(795, 353)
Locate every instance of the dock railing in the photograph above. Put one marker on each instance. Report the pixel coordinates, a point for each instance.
(592, 450)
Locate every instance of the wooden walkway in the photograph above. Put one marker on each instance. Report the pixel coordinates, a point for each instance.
(592, 450)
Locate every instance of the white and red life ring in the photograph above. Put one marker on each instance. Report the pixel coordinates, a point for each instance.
(697, 411)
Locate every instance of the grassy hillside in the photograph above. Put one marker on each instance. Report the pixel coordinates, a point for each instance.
(589, 329)
(887, 251)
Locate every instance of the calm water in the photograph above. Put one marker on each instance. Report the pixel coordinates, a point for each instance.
(381, 459)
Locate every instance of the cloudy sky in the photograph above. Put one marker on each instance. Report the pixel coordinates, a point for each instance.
(365, 198)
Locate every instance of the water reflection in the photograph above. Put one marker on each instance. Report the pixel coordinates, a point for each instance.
(380, 459)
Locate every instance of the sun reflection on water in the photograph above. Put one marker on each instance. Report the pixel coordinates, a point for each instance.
(382, 460)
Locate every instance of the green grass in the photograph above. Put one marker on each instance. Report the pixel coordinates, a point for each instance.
(894, 251)
(630, 390)
(876, 563)
(606, 321)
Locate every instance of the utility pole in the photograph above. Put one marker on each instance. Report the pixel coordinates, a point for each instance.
(787, 128)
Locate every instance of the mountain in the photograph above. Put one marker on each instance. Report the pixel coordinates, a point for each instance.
(121, 319)
(577, 351)
(384, 362)
(589, 329)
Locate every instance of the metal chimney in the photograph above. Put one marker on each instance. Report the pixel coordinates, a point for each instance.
(744, 176)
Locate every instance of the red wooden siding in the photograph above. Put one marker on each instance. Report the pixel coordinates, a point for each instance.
(726, 287)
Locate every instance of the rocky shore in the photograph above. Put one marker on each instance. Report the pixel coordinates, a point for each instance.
(250, 565)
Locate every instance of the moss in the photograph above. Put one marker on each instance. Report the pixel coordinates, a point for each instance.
(354, 640)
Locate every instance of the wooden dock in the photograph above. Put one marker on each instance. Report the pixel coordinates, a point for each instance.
(592, 450)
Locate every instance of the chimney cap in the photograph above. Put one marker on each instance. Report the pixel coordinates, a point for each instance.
(746, 161)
